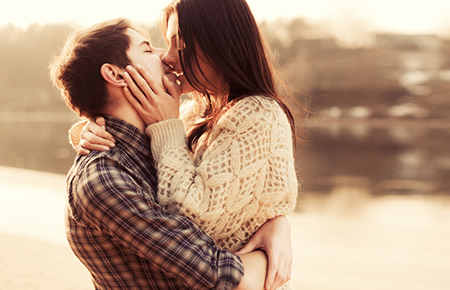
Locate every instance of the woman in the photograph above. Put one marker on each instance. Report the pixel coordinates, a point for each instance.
(236, 171)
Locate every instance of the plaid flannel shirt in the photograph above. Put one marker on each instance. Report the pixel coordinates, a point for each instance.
(119, 232)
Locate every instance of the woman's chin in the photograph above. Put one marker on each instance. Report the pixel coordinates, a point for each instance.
(186, 87)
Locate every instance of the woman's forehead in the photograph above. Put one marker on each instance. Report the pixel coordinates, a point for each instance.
(172, 26)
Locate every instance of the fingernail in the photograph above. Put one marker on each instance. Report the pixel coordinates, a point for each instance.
(104, 127)
(129, 68)
(139, 66)
(105, 148)
(112, 144)
(86, 152)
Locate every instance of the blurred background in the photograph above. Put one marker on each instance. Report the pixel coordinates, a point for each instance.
(374, 208)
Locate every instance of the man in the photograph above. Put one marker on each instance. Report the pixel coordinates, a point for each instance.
(113, 224)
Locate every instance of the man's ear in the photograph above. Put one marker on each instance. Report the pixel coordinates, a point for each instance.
(113, 75)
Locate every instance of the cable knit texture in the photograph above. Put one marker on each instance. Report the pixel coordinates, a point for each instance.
(238, 178)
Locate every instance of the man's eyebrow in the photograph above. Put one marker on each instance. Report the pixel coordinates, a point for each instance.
(145, 42)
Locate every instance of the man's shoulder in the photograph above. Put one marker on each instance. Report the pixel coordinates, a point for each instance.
(96, 168)
(92, 160)
(107, 170)
(89, 163)
(97, 177)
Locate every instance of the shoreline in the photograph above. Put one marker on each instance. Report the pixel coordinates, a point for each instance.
(376, 122)
(345, 241)
(32, 204)
(31, 264)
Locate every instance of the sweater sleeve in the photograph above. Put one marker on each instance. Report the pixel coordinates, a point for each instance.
(245, 172)
(75, 131)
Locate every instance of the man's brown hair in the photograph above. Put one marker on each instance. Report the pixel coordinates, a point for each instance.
(76, 71)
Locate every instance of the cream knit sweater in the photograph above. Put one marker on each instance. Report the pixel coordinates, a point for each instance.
(238, 178)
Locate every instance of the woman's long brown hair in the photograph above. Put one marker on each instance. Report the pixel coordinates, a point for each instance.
(227, 33)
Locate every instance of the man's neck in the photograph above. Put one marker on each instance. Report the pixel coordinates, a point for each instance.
(126, 112)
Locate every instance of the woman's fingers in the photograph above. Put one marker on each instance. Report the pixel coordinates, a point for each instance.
(149, 98)
(271, 273)
(170, 83)
(279, 271)
(273, 279)
(100, 121)
(92, 146)
(147, 78)
(82, 151)
(149, 86)
(100, 131)
(134, 101)
(271, 238)
(91, 141)
(135, 90)
(279, 278)
(94, 137)
(139, 78)
(145, 82)
(147, 114)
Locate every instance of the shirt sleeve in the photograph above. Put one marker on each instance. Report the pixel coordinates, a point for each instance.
(246, 170)
(110, 199)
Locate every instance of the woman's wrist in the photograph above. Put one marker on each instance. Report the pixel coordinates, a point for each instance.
(165, 134)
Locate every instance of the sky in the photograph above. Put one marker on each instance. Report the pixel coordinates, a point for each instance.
(398, 16)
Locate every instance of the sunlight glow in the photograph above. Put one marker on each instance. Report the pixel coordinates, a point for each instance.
(402, 16)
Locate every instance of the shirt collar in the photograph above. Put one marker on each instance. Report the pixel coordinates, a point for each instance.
(126, 133)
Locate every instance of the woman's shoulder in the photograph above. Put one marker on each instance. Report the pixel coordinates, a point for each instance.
(252, 110)
(254, 107)
(261, 102)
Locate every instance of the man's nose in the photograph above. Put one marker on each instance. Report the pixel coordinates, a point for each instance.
(161, 52)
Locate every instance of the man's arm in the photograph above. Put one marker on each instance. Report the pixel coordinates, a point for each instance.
(109, 198)
(255, 267)
(274, 238)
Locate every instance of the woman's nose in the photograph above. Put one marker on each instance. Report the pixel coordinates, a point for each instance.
(170, 57)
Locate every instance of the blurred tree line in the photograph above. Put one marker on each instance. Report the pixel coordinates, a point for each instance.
(24, 57)
(322, 70)
(361, 68)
